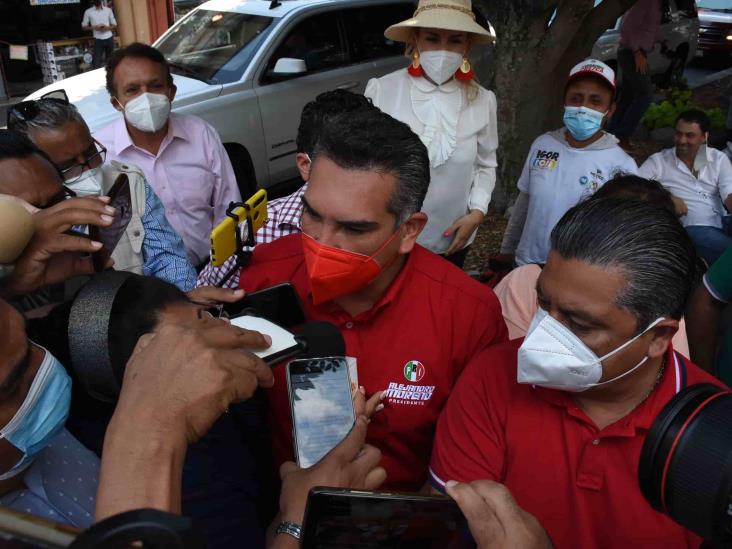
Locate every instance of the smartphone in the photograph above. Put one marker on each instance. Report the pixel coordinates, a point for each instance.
(121, 200)
(321, 406)
(284, 344)
(384, 520)
(223, 236)
(279, 303)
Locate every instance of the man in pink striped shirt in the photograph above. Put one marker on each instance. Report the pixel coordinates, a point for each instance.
(181, 155)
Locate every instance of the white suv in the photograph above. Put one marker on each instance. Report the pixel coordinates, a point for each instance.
(249, 66)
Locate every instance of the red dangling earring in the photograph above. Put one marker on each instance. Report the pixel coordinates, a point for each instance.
(465, 73)
(415, 69)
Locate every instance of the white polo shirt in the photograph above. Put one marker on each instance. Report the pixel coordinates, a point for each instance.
(703, 194)
(101, 16)
(557, 176)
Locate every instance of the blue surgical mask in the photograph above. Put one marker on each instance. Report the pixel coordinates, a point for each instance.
(582, 122)
(42, 414)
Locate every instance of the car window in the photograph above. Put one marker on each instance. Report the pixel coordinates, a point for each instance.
(214, 46)
(317, 41)
(365, 30)
(716, 5)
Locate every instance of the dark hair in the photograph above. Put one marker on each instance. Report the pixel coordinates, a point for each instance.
(134, 50)
(633, 186)
(696, 116)
(15, 145)
(647, 243)
(51, 115)
(374, 141)
(326, 105)
(135, 312)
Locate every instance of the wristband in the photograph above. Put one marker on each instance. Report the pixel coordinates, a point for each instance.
(290, 528)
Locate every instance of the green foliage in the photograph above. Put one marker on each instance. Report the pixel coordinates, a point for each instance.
(663, 114)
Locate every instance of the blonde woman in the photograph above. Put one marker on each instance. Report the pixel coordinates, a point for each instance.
(453, 115)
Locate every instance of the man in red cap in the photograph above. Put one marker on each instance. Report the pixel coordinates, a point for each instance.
(566, 165)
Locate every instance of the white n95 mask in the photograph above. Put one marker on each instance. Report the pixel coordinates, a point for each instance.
(440, 65)
(148, 112)
(552, 356)
(89, 183)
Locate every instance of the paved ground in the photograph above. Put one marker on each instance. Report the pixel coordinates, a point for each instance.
(700, 70)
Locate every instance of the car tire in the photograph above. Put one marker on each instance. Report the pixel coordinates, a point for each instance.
(243, 169)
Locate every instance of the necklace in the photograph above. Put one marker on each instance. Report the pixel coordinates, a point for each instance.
(653, 387)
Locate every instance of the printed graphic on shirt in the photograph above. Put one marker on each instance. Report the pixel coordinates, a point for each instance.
(545, 160)
(410, 395)
(591, 182)
(414, 371)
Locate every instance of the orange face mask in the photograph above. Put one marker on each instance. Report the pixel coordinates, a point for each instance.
(334, 272)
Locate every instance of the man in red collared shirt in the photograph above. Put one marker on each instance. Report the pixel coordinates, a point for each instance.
(566, 440)
(412, 320)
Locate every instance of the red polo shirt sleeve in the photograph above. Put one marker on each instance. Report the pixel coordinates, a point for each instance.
(470, 443)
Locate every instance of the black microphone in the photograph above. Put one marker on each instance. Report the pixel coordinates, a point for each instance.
(319, 339)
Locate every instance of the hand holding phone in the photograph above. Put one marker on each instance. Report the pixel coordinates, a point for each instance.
(321, 405)
(121, 201)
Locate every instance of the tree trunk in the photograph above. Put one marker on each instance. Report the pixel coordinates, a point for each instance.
(528, 69)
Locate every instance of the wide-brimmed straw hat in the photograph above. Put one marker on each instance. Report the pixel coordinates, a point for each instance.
(453, 15)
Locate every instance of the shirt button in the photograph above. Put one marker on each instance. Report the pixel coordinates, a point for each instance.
(349, 324)
(137, 233)
(596, 441)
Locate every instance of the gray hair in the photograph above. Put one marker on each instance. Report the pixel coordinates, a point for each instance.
(372, 140)
(51, 115)
(644, 241)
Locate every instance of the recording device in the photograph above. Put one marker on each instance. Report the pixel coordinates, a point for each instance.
(279, 303)
(16, 230)
(121, 200)
(242, 221)
(321, 406)
(284, 344)
(353, 518)
(685, 468)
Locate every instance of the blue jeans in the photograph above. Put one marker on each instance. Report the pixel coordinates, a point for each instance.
(711, 242)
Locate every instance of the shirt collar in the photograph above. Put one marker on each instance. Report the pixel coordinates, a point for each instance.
(123, 141)
(426, 86)
(672, 381)
(701, 160)
(289, 212)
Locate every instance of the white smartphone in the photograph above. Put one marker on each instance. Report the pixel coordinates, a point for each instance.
(284, 344)
(321, 405)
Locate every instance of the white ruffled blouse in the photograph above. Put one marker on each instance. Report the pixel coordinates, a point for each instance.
(461, 137)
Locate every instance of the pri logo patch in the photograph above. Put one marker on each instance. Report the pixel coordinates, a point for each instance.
(414, 371)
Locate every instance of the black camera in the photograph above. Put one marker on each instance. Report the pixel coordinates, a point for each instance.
(685, 468)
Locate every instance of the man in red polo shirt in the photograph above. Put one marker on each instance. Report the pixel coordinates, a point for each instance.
(594, 370)
(412, 319)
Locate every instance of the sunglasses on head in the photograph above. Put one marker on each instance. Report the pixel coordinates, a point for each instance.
(25, 111)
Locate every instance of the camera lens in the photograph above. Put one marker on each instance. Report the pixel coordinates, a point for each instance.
(685, 467)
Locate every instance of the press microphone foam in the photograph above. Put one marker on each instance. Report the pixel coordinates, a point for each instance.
(320, 339)
(16, 229)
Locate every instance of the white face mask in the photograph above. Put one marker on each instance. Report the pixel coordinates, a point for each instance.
(552, 356)
(89, 183)
(148, 112)
(440, 65)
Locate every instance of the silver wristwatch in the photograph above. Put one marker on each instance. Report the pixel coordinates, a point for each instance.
(290, 528)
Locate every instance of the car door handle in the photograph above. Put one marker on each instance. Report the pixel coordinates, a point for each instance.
(347, 86)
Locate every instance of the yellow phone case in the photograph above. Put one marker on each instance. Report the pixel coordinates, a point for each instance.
(223, 236)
